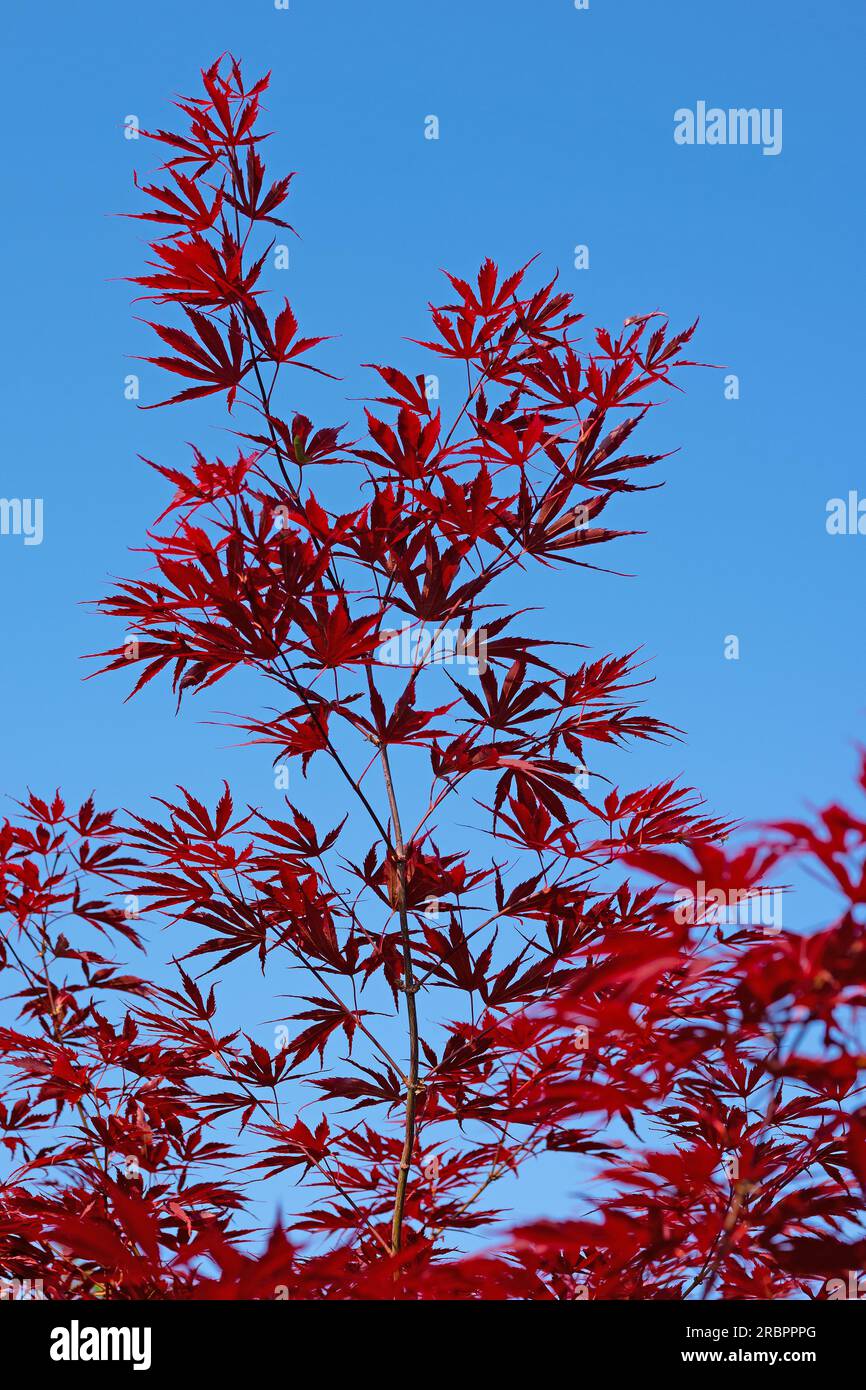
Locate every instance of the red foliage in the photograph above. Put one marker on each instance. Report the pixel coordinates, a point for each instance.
(703, 1070)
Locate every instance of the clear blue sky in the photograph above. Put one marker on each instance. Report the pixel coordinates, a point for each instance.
(556, 129)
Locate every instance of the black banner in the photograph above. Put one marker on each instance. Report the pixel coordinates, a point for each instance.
(98, 1341)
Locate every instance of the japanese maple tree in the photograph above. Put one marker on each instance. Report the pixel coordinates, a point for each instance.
(472, 997)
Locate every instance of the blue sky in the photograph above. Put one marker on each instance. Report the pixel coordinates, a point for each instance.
(556, 129)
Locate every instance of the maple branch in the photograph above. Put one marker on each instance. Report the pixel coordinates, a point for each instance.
(409, 985)
(410, 990)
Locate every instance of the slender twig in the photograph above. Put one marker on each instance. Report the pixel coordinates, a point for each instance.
(410, 990)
